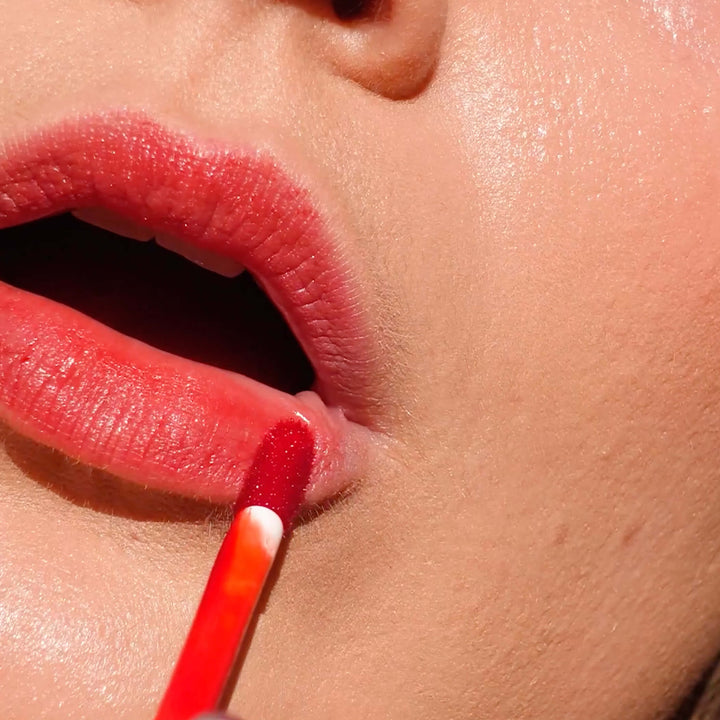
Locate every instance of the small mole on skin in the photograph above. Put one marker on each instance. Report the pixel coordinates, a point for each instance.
(562, 534)
(630, 534)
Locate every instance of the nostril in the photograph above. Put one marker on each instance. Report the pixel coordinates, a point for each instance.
(349, 9)
(359, 9)
(389, 47)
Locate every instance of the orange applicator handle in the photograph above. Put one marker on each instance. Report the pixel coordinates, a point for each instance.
(274, 486)
(225, 611)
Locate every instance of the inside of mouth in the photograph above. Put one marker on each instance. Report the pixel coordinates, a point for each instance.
(156, 296)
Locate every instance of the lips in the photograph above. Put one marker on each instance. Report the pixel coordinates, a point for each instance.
(146, 415)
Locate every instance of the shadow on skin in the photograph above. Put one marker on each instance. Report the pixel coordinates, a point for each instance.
(100, 491)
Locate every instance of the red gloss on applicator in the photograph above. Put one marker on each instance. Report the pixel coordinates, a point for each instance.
(272, 493)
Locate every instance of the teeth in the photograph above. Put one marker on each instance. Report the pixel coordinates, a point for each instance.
(110, 221)
(210, 261)
(99, 217)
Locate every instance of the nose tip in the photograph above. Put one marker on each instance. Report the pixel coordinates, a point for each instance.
(390, 47)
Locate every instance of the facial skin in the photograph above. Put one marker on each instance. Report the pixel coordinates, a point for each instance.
(533, 194)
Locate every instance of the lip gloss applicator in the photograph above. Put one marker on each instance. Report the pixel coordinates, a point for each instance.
(271, 495)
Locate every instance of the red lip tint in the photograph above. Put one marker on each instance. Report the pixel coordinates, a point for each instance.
(272, 493)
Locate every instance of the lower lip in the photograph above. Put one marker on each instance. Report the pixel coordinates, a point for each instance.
(147, 416)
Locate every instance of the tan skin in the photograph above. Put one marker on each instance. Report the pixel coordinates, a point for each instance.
(534, 195)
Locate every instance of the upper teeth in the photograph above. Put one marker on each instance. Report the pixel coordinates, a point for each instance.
(114, 223)
(110, 221)
(210, 261)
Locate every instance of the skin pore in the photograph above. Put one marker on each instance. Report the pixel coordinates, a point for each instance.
(532, 192)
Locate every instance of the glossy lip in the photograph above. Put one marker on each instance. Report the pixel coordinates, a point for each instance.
(142, 414)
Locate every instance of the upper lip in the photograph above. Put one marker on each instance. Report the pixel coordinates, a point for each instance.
(237, 202)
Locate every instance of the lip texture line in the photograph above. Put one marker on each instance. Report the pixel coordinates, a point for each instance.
(145, 415)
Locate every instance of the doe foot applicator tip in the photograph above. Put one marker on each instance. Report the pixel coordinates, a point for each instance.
(280, 472)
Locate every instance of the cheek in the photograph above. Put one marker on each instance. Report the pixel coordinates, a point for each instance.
(575, 339)
(591, 149)
(581, 305)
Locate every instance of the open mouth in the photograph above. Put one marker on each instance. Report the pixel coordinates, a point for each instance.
(121, 352)
(212, 313)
